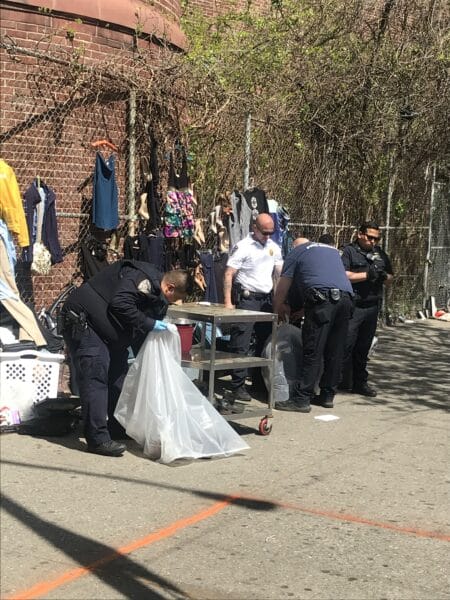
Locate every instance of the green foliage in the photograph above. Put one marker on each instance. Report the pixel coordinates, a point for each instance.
(325, 83)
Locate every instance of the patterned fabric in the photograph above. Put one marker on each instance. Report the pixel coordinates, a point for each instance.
(179, 220)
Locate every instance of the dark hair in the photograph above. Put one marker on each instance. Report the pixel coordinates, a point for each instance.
(368, 225)
(326, 238)
(182, 280)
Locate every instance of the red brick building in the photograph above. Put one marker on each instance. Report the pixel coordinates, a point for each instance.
(46, 127)
(48, 119)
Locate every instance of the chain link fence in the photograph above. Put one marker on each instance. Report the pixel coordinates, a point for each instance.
(437, 272)
(58, 107)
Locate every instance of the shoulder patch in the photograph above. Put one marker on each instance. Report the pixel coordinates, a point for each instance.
(145, 287)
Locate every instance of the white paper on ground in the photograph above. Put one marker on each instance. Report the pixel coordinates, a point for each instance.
(327, 418)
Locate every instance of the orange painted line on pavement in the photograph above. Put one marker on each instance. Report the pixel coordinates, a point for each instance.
(44, 587)
(363, 521)
(355, 519)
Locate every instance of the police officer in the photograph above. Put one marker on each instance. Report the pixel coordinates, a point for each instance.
(254, 265)
(368, 268)
(319, 275)
(112, 311)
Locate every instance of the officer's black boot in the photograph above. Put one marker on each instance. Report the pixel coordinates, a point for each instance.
(325, 398)
(364, 389)
(108, 448)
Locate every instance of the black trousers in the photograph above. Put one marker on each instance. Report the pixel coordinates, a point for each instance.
(241, 334)
(361, 330)
(99, 371)
(324, 335)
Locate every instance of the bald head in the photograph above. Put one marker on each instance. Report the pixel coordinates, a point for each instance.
(263, 228)
(298, 241)
(264, 222)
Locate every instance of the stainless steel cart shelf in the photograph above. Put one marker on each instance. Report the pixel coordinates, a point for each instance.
(201, 359)
(212, 360)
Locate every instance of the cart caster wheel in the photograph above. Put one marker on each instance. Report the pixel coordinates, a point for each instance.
(264, 427)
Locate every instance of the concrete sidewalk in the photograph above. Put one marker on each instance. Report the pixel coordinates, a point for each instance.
(350, 509)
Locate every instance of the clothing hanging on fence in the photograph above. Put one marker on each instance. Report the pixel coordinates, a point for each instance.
(281, 222)
(207, 262)
(9, 253)
(240, 225)
(219, 223)
(152, 196)
(246, 206)
(220, 264)
(40, 209)
(135, 247)
(105, 200)
(11, 206)
(93, 254)
(147, 248)
(179, 207)
(10, 298)
(257, 201)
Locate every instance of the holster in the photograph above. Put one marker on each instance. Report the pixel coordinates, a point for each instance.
(314, 296)
(73, 323)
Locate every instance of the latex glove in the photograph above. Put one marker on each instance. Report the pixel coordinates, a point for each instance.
(159, 326)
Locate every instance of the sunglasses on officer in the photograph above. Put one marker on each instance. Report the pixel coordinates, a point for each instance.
(372, 238)
(264, 232)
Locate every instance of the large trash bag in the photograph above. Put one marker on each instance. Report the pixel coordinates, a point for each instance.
(288, 361)
(164, 411)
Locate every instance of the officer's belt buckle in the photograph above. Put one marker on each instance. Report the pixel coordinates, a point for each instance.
(246, 293)
(335, 294)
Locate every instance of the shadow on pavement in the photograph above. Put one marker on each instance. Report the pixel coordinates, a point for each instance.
(123, 576)
(250, 503)
(411, 368)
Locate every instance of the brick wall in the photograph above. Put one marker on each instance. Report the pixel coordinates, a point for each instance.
(46, 131)
(43, 133)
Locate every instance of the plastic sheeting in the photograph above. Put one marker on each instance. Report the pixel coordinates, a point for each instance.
(288, 361)
(164, 411)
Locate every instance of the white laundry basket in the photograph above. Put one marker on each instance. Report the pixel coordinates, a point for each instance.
(38, 370)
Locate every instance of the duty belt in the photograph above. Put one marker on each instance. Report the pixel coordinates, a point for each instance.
(255, 295)
(243, 293)
(317, 295)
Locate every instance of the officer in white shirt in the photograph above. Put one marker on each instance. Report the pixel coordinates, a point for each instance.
(253, 267)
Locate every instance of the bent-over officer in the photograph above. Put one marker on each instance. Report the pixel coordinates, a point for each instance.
(320, 277)
(112, 311)
(368, 268)
(253, 267)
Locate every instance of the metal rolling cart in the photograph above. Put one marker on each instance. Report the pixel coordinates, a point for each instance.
(213, 360)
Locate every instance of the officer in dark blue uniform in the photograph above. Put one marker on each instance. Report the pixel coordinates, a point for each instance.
(319, 274)
(368, 268)
(112, 311)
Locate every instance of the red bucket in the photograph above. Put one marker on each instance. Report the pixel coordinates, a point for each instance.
(186, 333)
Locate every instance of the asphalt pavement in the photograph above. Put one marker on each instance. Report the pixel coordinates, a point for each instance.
(353, 508)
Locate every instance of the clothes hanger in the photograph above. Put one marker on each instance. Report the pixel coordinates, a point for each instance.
(251, 184)
(105, 144)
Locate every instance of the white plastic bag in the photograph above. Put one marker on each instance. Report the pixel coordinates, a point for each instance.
(164, 412)
(288, 359)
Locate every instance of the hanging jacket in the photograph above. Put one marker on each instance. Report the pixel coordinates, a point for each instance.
(50, 239)
(11, 207)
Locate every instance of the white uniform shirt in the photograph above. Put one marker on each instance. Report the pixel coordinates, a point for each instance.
(255, 263)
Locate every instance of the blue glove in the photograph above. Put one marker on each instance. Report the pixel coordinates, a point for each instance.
(159, 326)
